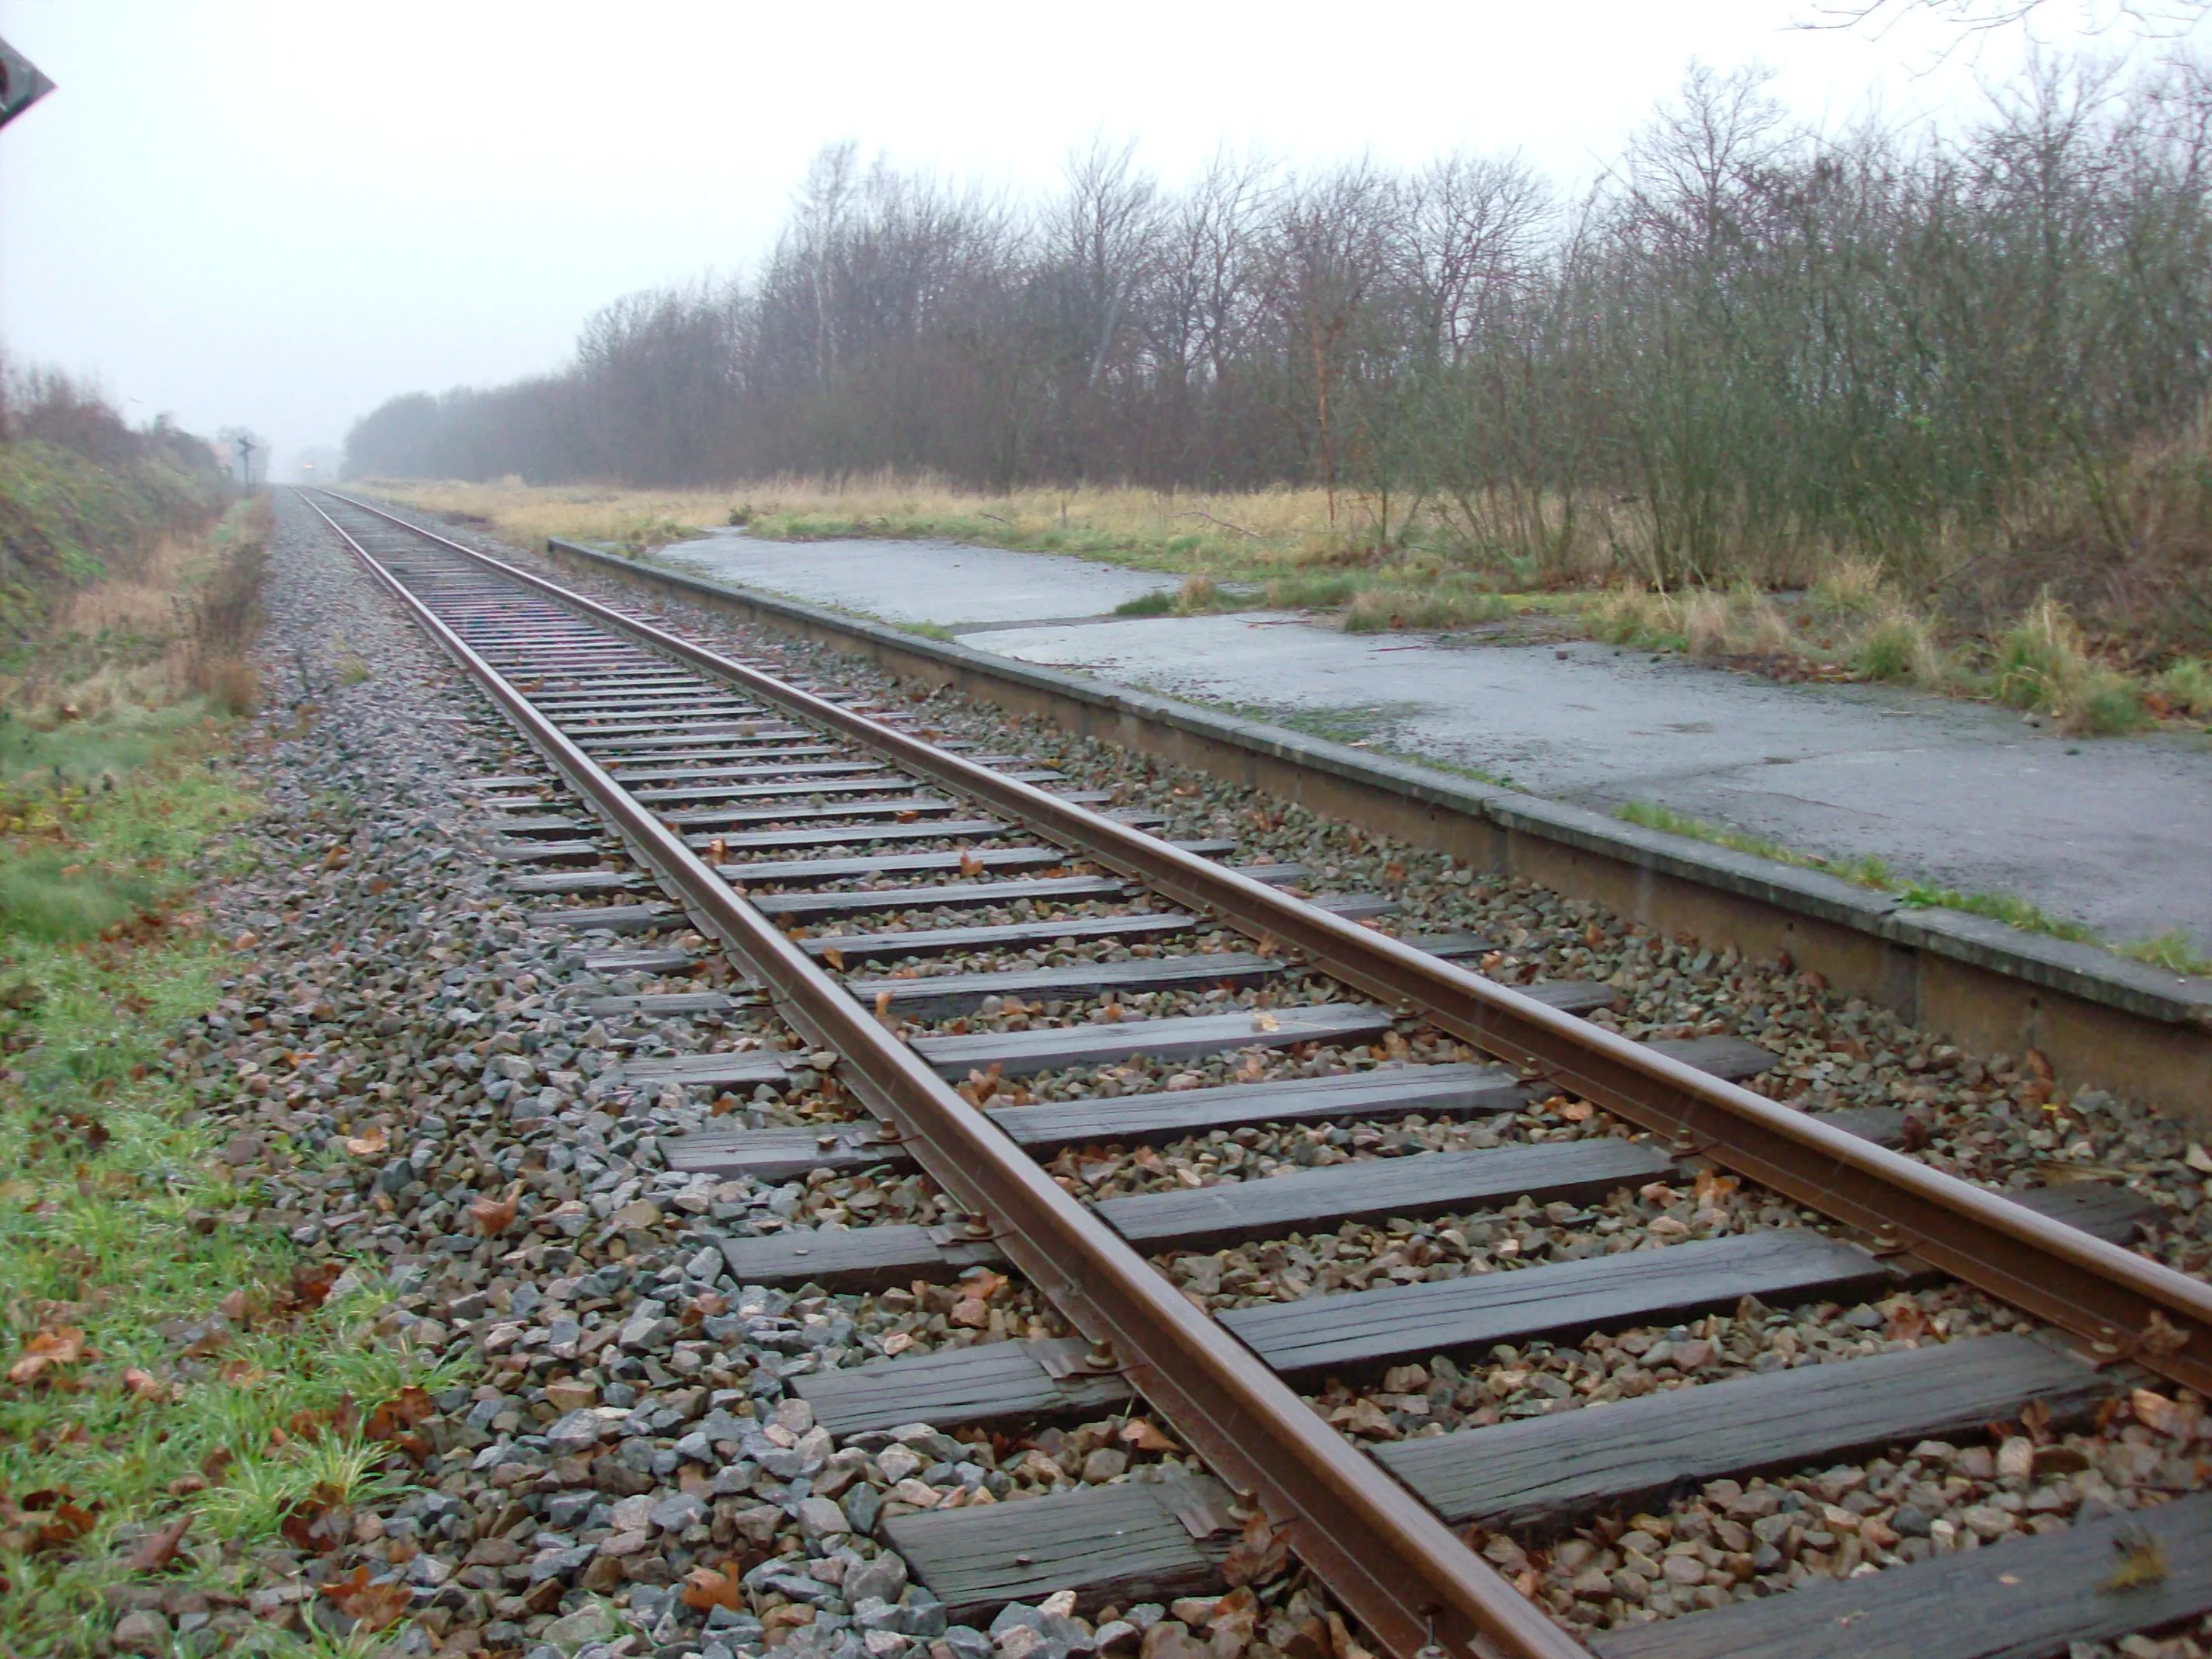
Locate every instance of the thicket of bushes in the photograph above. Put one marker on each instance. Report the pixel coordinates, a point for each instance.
(1978, 356)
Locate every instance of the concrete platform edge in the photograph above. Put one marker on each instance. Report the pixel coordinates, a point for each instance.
(2103, 1020)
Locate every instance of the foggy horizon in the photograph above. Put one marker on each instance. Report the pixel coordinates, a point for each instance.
(242, 215)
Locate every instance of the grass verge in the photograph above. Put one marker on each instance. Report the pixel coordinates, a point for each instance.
(182, 1385)
(2171, 951)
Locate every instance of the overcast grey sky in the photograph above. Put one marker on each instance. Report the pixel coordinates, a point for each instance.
(279, 215)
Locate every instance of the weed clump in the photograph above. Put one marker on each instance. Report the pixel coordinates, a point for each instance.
(2043, 664)
(2185, 688)
(1898, 647)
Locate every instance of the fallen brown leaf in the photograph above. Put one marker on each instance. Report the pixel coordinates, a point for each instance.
(70, 1523)
(318, 1523)
(704, 1588)
(1138, 1432)
(1906, 1320)
(145, 1385)
(1342, 1641)
(311, 1285)
(2161, 1339)
(58, 1345)
(2162, 1415)
(1259, 1556)
(368, 1145)
(372, 1607)
(494, 1216)
(159, 1547)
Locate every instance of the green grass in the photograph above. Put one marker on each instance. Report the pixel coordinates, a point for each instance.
(118, 738)
(2171, 951)
(119, 1221)
(2186, 687)
(1160, 602)
(85, 859)
(1997, 906)
(1866, 871)
(1893, 651)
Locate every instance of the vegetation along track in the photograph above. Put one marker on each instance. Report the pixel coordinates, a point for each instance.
(878, 888)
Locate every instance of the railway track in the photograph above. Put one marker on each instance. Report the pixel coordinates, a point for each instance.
(1001, 977)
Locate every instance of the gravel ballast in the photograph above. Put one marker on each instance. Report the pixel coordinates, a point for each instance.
(406, 1053)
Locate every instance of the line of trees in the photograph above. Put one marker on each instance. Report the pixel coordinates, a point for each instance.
(1749, 344)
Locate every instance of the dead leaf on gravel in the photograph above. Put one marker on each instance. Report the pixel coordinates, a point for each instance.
(369, 1145)
(318, 1522)
(1259, 1556)
(159, 1547)
(2162, 1415)
(704, 1588)
(1713, 1187)
(970, 864)
(395, 1420)
(372, 1607)
(494, 1216)
(1139, 1434)
(1906, 1320)
(1341, 1641)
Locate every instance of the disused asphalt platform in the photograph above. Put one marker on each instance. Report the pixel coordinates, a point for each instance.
(2108, 831)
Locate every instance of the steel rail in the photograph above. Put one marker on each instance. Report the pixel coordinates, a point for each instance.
(1394, 1565)
(2122, 1304)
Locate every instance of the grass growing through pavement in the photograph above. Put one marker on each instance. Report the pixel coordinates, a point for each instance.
(1866, 871)
(2171, 951)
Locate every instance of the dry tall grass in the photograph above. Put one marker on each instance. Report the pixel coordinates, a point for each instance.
(175, 623)
(1268, 525)
(1855, 615)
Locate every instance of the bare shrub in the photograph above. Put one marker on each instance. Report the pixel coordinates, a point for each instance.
(225, 614)
(231, 685)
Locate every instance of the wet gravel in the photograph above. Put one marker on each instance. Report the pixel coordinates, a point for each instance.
(627, 1374)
